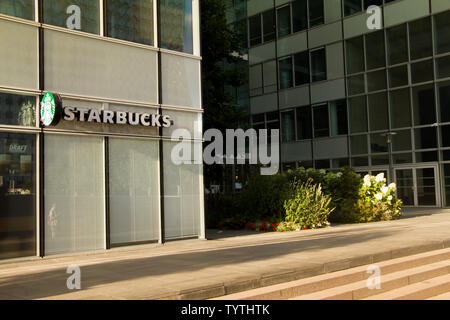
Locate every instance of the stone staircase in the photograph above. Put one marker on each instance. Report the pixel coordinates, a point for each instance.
(418, 277)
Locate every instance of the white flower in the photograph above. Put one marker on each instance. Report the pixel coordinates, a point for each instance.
(367, 182)
(380, 177)
(389, 198)
(378, 196)
(392, 186)
(385, 190)
(339, 174)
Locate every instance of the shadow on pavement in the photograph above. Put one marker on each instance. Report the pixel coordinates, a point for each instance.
(51, 283)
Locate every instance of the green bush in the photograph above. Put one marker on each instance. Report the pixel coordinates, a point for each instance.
(303, 197)
(308, 207)
(263, 197)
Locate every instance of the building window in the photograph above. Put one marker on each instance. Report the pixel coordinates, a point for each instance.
(443, 67)
(300, 15)
(375, 55)
(422, 71)
(181, 196)
(356, 84)
(425, 138)
(352, 7)
(301, 65)
(420, 39)
(442, 30)
(288, 126)
(378, 143)
(368, 3)
(424, 105)
(378, 111)
(268, 25)
(402, 141)
(304, 123)
(130, 20)
(176, 25)
(284, 21)
(338, 118)
(133, 190)
(316, 16)
(321, 121)
(400, 108)
(359, 144)
(18, 8)
(444, 101)
(445, 134)
(255, 30)
(63, 13)
(318, 65)
(17, 110)
(355, 55)
(285, 66)
(74, 194)
(17, 195)
(397, 45)
(357, 114)
(398, 76)
(376, 80)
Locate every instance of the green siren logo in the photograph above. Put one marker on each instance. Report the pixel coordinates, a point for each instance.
(50, 109)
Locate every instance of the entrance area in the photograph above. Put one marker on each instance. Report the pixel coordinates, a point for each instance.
(418, 187)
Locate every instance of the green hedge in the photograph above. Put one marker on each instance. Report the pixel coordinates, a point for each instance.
(264, 199)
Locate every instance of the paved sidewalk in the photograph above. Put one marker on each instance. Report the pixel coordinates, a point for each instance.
(229, 263)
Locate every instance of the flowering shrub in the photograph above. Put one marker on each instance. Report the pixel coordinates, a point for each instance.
(308, 207)
(264, 226)
(377, 201)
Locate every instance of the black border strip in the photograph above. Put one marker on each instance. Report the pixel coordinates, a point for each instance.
(107, 199)
(161, 133)
(41, 136)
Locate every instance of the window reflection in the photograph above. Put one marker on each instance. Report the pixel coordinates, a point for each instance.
(18, 8)
(176, 25)
(17, 195)
(80, 15)
(130, 20)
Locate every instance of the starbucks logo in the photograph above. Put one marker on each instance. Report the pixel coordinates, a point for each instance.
(50, 109)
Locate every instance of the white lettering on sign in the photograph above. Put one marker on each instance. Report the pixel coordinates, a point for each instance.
(117, 117)
(16, 148)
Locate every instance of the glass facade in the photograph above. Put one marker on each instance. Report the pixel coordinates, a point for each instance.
(176, 25)
(17, 195)
(130, 20)
(88, 183)
(134, 190)
(18, 8)
(347, 87)
(17, 110)
(82, 15)
(74, 189)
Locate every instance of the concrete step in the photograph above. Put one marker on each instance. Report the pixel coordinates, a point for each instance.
(359, 290)
(336, 279)
(444, 296)
(418, 291)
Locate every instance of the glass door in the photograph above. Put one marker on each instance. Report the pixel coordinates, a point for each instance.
(426, 187)
(417, 186)
(405, 186)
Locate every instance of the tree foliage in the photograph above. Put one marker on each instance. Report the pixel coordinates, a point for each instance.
(220, 52)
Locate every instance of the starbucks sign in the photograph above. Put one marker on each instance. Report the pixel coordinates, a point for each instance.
(51, 107)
